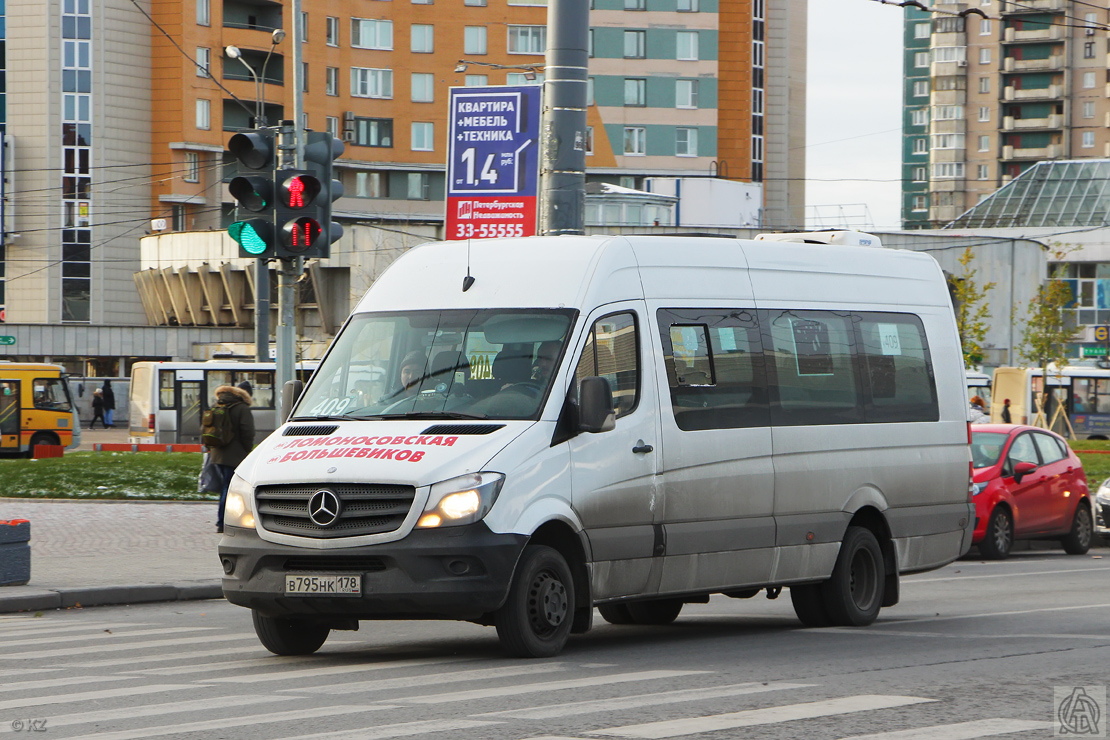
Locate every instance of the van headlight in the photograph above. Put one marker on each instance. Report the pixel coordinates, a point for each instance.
(461, 500)
(237, 507)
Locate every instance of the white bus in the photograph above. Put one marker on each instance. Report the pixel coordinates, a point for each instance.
(168, 398)
(979, 384)
(1084, 391)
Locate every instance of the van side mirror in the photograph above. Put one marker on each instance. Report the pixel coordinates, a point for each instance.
(595, 406)
(290, 392)
(1023, 469)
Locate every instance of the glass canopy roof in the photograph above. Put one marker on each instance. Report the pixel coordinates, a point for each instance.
(1061, 193)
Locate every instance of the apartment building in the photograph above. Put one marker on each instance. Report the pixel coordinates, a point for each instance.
(119, 112)
(993, 87)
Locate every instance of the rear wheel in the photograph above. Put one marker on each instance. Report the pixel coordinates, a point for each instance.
(655, 612)
(1078, 541)
(1000, 535)
(809, 605)
(854, 594)
(536, 618)
(615, 613)
(288, 636)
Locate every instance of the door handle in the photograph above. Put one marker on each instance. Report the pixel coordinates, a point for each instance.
(642, 448)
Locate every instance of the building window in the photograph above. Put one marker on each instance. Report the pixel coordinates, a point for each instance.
(480, 3)
(948, 141)
(474, 40)
(371, 83)
(635, 5)
(949, 54)
(984, 26)
(635, 140)
(984, 113)
(423, 36)
(984, 142)
(948, 170)
(204, 62)
(919, 174)
(919, 117)
(476, 80)
(527, 39)
(331, 80)
(423, 136)
(367, 33)
(921, 31)
(921, 59)
(686, 93)
(1088, 80)
(304, 76)
(686, 142)
(757, 101)
(985, 55)
(589, 140)
(921, 88)
(371, 184)
(590, 44)
(687, 6)
(635, 44)
(331, 26)
(374, 132)
(1088, 109)
(920, 146)
(590, 91)
(331, 123)
(418, 186)
(1088, 139)
(920, 203)
(426, 2)
(304, 26)
(423, 87)
(984, 84)
(757, 53)
(635, 92)
(192, 167)
(204, 14)
(948, 112)
(686, 45)
(204, 114)
(1088, 49)
(984, 172)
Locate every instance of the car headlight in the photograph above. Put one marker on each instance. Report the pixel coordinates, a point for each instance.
(977, 488)
(461, 500)
(237, 507)
(1103, 495)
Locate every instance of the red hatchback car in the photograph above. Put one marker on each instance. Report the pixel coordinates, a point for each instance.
(1027, 485)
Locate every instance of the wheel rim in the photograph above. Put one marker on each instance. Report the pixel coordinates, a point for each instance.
(1002, 532)
(1083, 527)
(547, 604)
(864, 579)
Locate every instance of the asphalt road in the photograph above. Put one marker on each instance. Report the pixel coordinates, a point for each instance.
(976, 649)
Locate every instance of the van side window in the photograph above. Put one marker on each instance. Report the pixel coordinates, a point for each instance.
(714, 362)
(897, 369)
(612, 352)
(812, 367)
(165, 389)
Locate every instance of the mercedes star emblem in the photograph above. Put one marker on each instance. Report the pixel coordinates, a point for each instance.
(324, 508)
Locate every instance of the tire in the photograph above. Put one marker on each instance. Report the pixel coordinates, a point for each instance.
(999, 539)
(615, 614)
(40, 438)
(1078, 540)
(854, 594)
(536, 619)
(288, 636)
(656, 612)
(809, 605)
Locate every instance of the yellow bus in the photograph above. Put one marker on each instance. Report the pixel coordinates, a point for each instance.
(36, 408)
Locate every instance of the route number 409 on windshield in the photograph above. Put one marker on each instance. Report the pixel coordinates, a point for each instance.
(487, 231)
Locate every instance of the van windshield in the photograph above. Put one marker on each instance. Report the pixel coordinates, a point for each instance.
(482, 364)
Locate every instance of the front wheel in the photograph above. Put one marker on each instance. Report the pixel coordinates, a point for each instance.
(1078, 540)
(1000, 535)
(288, 636)
(854, 594)
(536, 619)
(809, 605)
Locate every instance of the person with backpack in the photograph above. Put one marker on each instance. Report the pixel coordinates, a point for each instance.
(227, 432)
(98, 409)
(109, 405)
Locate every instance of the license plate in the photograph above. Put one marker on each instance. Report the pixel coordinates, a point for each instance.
(323, 585)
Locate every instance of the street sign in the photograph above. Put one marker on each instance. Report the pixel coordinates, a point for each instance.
(7, 340)
(1095, 351)
(1102, 333)
(493, 162)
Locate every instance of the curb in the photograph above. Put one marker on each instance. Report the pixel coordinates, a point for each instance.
(40, 599)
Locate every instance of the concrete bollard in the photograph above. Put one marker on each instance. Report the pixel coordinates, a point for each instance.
(15, 552)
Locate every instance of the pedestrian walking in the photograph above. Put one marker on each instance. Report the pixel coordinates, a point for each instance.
(976, 413)
(1006, 411)
(229, 438)
(109, 404)
(98, 409)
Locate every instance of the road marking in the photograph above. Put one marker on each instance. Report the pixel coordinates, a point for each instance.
(399, 730)
(62, 652)
(164, 657)
(272, 661)
(49, 683)
(331, 670)
(532, 688)
(434, 679)
(766, 716)
(959, 731)
(642, 700)
(221, 724)
(39, 701)
(102, 635)
(894, 632)
(995, 615)
(154, 710)
(40, 628)
(1022, 574)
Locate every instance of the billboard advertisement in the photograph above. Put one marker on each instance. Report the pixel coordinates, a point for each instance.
(493, 161)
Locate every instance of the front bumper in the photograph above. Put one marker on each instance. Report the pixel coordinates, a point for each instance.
(450, 573)
(1102, 518)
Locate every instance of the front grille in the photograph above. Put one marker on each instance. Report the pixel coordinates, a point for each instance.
(319, 430)
(333, 563)
(462, 429)
(366, 509)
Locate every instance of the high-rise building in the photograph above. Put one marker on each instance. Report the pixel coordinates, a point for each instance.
(119, 113)
(993, 87)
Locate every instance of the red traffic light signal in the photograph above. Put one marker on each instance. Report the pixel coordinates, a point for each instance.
(300, 235)
(297, 190)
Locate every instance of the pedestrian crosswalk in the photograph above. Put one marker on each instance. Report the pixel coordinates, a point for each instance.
(132, 680)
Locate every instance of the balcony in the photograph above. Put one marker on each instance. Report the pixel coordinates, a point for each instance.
(1053, 121)
(1011, 7)
(1014, 36)
(944, 214)
(1052, 92)
(1052, 151)
(1009, 64)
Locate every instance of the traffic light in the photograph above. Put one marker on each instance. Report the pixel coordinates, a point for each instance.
(297, 219)
(320, 151)
(253, 190)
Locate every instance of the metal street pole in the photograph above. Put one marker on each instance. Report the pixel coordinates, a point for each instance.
(563, 137)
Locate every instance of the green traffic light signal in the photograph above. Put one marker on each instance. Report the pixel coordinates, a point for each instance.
(254, 237)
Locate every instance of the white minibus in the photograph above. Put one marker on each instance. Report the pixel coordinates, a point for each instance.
(168, 398)
(1081, 392)
(663, 419)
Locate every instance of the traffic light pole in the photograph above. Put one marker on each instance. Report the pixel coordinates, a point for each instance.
(291, 268)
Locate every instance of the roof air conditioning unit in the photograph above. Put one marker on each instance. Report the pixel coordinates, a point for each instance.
(349, 117)
(961, 62)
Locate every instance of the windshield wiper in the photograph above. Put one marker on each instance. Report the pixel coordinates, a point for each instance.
(323, 418)
(434, 415)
